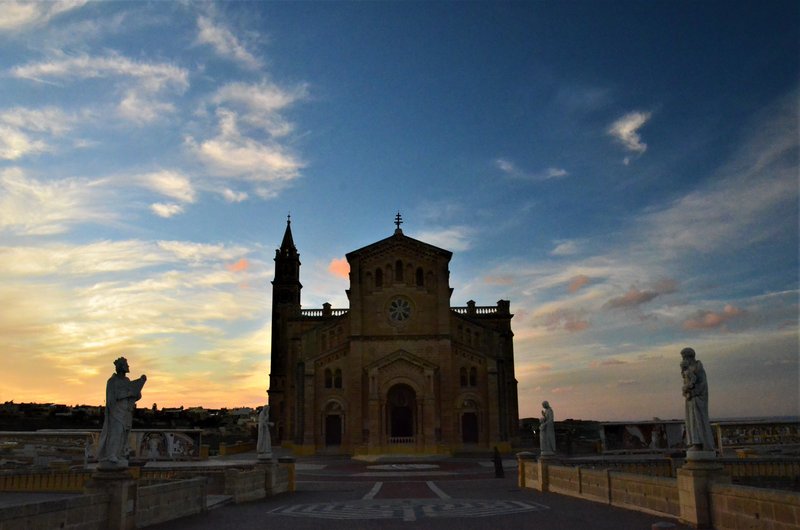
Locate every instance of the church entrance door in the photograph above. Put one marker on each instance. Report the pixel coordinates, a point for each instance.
(469, 428)
(333, 429)
(401, 406)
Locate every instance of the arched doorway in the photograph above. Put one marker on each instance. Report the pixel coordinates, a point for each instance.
(401, 405)
(469, 422)
(334, 424)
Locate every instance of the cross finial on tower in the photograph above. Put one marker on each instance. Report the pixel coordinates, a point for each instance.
(398, 219)
(289, 218)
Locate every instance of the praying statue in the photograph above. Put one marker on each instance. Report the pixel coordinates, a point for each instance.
(547, 431)
(699, 436)
(264, 444)
(121, 397)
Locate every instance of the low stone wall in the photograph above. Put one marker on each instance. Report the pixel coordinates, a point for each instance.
(565, 480)
(81, 512)
(595, 484)
(245, 486)
(734, 507)
(158, 503)
(781, 473)
(657, 495)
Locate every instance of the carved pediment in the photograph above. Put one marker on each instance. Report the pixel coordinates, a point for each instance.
(401, 360)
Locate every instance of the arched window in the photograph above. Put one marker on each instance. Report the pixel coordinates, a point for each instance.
(473, 376)
(337, 378)
(398, 271)
(378, 277)
(420, 277)
(328, 378)
(463, 376)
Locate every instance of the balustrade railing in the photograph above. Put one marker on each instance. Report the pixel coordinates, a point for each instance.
(322, 313)
(479, 310)
(401, 440)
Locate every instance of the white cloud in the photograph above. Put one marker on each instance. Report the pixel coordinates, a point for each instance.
(565, 248)
(166, 210)
(454, 238)
(15, 144)
(171, 184)
(225, 43)
(153, 76)
(35, 207)
(139, 103)
(511, 170)
(232, 155)
(45, 120)
(142, 107)
(234, 196)
(260, 104)
(16, 15)
(626, 130)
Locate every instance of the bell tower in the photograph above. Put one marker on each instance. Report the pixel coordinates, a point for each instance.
(285, 305)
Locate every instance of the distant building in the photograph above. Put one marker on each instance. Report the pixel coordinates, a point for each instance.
(400, 370)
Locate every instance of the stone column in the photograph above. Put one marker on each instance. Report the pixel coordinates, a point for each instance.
(120, 486)
(694, 481)
(524, 460)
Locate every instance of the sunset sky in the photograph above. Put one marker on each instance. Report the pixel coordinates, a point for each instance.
(625, 173)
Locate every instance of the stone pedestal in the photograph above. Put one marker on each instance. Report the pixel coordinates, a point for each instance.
(546, 459)
(524, 459)
(694, 481)
(120, 486)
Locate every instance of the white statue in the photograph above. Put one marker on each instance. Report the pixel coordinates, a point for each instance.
(121, 397)
(264, 444)
(547, 431)
(699, 436)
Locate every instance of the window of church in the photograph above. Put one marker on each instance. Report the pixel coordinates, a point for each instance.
(398, 271)
(328, 378)
(420, 277)
(337, 378)
(463, 376)
(378, 277)
(473, 376)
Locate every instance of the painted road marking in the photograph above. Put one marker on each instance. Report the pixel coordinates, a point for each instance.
(374, 491)
(439, 493)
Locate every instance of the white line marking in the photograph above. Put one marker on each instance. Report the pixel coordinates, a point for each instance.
(408, 514)
(374, 491)
(434, 488)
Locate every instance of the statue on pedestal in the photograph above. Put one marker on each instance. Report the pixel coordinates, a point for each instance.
(699, 436)
(547, 431)
(121, 397)
(264, 444)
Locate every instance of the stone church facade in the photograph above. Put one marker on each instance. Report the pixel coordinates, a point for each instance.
(400, 370)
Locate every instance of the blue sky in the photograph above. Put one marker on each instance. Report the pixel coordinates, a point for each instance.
(626, 173)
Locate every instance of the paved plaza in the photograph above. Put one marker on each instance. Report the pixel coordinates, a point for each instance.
(450, 493)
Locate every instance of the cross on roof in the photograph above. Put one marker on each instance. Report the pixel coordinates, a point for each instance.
(398, 220)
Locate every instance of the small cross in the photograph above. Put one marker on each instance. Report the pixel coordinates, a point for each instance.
(398, 220)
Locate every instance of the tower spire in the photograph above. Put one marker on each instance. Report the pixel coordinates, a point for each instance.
(398, 220)
(288, 240)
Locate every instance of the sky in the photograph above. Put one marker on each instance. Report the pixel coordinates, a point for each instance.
(625, 173)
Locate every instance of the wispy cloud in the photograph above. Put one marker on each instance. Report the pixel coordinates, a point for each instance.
(17, 15)
(626, 131)
(453, 238)
(261, 104)
(172, 184)
(140, 102)
(166, 209)
(565, 248)
(37, 207)
(635, 297)
(710, 320)
(233, 155)
(225, 43)
(577, 282)
(511, 170)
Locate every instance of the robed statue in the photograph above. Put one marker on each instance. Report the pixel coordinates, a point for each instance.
(547, 431)
(264, 444)
(699, 436)
(121, 397)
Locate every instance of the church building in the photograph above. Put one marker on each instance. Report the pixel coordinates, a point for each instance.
(399, 371)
